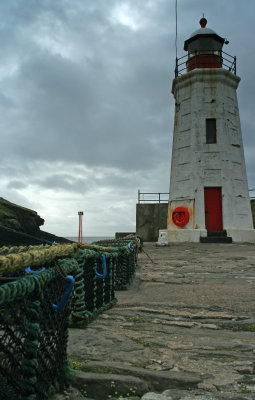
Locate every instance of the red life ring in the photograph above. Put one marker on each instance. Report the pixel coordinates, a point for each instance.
(180, 216)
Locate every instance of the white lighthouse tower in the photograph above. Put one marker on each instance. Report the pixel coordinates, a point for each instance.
(209, 198)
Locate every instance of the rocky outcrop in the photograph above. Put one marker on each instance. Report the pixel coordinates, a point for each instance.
(21, 226)
(19, 218)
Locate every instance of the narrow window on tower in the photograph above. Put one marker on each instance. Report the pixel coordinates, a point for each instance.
(211, 130)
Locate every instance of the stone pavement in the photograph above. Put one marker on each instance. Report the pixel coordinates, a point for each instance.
(185, 328)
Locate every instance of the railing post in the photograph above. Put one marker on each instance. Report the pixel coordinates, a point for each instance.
(235, 65)
(159, 198)
(138, 196)
(176, 67)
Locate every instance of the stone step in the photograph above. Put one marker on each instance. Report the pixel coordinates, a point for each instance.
(217, 233)
(100, 386)
(156, 380)
(215, 239)
(197, 395)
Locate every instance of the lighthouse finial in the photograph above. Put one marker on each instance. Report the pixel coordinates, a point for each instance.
(203, 22)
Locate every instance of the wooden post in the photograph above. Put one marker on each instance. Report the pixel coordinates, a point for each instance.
(80, 213)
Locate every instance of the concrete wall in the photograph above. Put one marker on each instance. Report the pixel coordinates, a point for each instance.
(149, 219)
(253, 211)
(152, 217)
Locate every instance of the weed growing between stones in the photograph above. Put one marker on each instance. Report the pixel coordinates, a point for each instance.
(223, 348)
(101, 370)
(66, 395)
(139, 365)
(142, 342)
(250, 328)
(236, 329)
(138, 320)
(76, 365)
(84, 391)
(115, 394)
(244, 389)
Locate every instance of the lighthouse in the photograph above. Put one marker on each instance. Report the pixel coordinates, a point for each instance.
(209, 198)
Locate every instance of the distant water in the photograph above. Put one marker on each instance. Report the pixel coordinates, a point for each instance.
(89, 239)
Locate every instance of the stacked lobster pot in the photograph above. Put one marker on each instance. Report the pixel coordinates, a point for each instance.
(43, 291)
(94, 290)
(127, 253)
(35, 286)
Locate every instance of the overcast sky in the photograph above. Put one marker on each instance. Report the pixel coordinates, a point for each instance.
(86, 103)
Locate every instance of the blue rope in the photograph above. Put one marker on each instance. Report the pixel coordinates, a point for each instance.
(103, 275)
(28, 270)
(64, 299)
(129, 246)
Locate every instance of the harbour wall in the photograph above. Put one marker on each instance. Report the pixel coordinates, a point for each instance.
(150, 218)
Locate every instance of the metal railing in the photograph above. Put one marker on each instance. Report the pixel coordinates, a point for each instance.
(252, 190)
(226, 61)
(157, 197)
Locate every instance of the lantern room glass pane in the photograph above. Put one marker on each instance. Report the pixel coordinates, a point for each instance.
(205, 45)
(217, 46)
(193, 46)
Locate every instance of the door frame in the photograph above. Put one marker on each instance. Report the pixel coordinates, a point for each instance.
(219, 211)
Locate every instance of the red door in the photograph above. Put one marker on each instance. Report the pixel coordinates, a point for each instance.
(213, 208)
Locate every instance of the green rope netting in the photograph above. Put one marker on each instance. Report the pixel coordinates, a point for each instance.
(33, 336)
(127, 250)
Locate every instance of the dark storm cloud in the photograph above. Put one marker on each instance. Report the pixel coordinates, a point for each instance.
(15, 184)
(63, 182)
(75, 180)
(5, 102)
(86, 101)
(82, 110)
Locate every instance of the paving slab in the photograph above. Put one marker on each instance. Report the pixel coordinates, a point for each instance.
(190, 311)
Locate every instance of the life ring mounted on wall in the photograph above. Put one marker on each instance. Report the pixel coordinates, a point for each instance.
(180, 216)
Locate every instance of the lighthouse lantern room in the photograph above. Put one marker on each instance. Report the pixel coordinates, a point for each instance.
(209, 196)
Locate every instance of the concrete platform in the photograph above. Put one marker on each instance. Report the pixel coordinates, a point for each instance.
(190, 311)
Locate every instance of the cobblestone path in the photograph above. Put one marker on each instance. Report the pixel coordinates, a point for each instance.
(186, 325)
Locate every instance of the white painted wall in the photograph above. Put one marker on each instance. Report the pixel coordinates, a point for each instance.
(201, 94)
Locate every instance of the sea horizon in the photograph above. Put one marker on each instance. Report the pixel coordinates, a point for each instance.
(89, 239)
